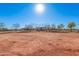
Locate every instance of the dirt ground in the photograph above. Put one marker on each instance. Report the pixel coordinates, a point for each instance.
(39, 44)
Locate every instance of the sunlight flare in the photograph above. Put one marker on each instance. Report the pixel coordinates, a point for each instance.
(39, 8)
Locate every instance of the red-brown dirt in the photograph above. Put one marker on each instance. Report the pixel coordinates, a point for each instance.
(39, 44)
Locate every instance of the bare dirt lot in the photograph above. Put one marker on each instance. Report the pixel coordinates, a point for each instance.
(39, 43)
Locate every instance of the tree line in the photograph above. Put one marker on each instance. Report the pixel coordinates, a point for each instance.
(71, 26)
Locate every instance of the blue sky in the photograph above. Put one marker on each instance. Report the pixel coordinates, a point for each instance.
(24, 13)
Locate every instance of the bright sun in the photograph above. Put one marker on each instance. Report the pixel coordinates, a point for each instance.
(39, 8)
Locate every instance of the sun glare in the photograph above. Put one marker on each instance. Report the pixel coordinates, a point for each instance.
(39, 8)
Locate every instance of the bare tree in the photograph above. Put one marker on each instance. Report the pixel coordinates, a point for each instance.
(61, 26)
(2, 25)
(47, 27)
(16, 26)
(53, 26)
(28, 27)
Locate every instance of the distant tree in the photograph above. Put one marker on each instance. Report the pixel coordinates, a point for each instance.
(47, 27)
(2, 25)
(16, 26)
(53, 26)
(28, 27)
(71, 25)
(60, 26)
